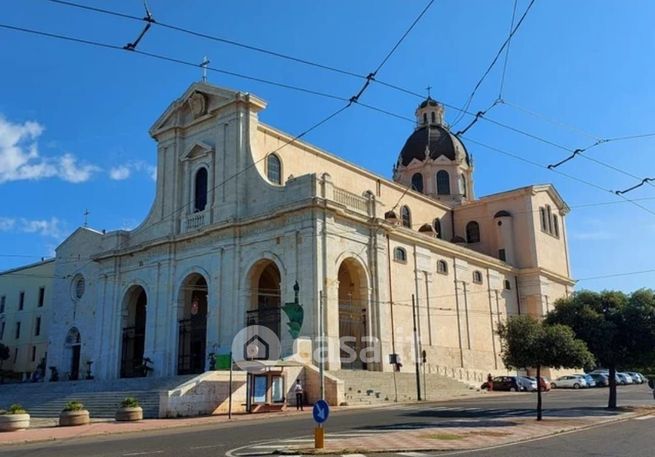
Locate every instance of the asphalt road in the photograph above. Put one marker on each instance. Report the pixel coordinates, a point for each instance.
(217, 440)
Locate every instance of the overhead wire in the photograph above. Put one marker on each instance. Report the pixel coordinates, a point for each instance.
(505, 44)
(169, 59)
(211, 37)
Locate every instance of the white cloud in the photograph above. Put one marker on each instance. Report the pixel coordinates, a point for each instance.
(120, 173)
(6, 224)
(597, 235)
(45, 227)
(124, 171)
(20, 158)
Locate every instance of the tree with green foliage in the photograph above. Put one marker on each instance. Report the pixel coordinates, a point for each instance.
(529, 343)
(618, 329)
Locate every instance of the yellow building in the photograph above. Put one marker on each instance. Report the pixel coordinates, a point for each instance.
(24, 305)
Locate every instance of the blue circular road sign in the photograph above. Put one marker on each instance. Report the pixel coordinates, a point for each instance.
(321, 411)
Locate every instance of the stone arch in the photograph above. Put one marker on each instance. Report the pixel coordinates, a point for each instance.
(133, 316)
(353, 297)
(265, 295)
(73, 346)
(192, 324)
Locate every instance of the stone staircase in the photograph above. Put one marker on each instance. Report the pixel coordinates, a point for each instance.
(101, 398)
(375, 387)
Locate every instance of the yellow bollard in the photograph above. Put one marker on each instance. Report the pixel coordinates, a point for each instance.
(319, 435)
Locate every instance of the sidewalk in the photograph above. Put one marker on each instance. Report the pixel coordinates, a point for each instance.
(47, 429)
(461, 434)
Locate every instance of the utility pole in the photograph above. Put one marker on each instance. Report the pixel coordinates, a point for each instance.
(321, 361)
(416, 353)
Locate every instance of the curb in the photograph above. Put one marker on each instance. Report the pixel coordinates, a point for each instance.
(310, 451)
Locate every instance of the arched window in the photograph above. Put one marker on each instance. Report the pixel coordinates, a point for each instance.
(462, 185)
(425, 118)
(200, 200)
(417, 182)
(406, 217)
(442, 267)
(443, 182)
(399, 255)
(434, 117)
(274, 169)
(437, 226)
(550, 219)
(472, 232)
(477, 277)
(508, 285)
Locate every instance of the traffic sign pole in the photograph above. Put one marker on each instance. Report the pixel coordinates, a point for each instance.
(320, 412)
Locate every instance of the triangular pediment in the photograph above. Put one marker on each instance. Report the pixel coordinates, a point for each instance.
(197, 103)
(197, 150)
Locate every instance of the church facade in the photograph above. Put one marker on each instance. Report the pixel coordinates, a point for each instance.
(242, 214)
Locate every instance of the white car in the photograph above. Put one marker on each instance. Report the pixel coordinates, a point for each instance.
(571, 381)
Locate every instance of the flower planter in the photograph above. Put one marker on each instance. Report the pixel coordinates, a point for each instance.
(67, 418)
(13, 422)
(129, 414)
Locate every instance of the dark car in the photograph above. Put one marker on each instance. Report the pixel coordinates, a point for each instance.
(503, 383)
(601, 379)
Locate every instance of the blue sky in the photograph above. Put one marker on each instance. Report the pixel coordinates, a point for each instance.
(74, 119)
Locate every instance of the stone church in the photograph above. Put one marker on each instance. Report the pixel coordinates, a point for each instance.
(242, 213)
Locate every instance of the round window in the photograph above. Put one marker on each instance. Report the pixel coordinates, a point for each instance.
(78, 287)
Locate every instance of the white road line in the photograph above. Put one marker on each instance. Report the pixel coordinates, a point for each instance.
(298, 440)
(143, 453)
(353, 455)
(208, 446)
(412, 454)
(643, 418)
(267, 446)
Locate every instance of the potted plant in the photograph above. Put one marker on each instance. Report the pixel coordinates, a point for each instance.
(14, 418)
(129, 410)
(74, 414)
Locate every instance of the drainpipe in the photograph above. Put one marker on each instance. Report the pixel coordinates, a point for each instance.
(459, 325)
(491, 319)
(518, 296)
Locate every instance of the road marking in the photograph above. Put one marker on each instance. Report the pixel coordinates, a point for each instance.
(353, 455)
(143, 453)
(267, 446)
(643, 418)
(209, 446)
(413, 454)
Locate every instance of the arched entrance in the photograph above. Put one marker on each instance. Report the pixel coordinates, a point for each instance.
(134, 333)
(265, 296)
(353, 306)
(74, 344)
(192, 326)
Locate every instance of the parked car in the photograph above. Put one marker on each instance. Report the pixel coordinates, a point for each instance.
(545, 383)
(602, 380)
(636, 377)
(644, 378)
(571, 381)
(624, 378)
(503, 383)
(527, 383)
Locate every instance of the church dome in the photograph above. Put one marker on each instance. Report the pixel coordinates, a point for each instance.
(434, 140)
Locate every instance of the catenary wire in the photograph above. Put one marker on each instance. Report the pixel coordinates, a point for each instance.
(469, 100)
(213, 38)
(170, 59)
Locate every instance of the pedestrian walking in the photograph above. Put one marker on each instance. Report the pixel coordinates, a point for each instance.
(490, 382)
(298, 390)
